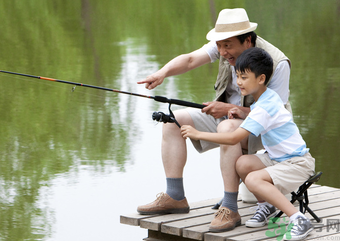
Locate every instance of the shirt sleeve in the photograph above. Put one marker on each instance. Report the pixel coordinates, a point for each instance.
(211, 49)
(280, 81)
(255, 122)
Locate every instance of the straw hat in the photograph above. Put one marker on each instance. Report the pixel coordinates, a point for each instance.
(231, 23)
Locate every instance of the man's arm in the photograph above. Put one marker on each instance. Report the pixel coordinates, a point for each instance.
(220, 138)
(179, 65)
(219, 109)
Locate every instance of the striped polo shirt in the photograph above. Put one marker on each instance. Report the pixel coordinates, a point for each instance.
(279, 134)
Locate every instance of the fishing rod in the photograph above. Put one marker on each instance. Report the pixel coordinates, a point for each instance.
(158, 116)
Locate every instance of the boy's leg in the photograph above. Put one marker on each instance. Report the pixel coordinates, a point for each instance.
(260, 183)
(281, 178)
(245, 165)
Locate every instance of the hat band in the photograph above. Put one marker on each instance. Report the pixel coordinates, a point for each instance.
(230, 27)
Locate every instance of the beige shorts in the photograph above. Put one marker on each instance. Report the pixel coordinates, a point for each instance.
(288, 175)
(206, 123)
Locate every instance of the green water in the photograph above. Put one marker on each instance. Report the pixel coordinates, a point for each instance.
(50, 135)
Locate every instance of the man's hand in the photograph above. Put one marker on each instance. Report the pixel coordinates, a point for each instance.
(189, 131)
(236, 113)
(217, 109)
(152, 80)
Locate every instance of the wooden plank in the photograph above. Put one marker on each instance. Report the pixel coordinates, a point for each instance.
(333, 236)
(135, 218)
(321, 189)
(323, 200)
(156, 222)
(176, 227)
(196, 232)
(158, 236)
(206, 203)
(259, 233)
(328, 230)
(324, 196)
(324, 230)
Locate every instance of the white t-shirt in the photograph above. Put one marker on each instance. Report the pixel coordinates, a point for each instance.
(279, 82)
(279, 134)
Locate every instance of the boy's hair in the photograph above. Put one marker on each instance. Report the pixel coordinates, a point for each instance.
(256, 60)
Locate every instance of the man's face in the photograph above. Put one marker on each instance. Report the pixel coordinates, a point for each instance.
(231, 48)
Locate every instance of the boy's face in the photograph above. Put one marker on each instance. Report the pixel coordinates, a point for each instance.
(231, 48)
(248, 83)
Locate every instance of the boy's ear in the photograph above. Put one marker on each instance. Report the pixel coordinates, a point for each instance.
(262, 79)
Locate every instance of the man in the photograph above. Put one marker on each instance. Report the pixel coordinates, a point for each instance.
(233, 33)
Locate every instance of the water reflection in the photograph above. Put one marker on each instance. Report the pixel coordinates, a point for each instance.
(72, 162)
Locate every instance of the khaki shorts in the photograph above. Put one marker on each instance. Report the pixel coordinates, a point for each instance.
(206, 123)
(290, 174)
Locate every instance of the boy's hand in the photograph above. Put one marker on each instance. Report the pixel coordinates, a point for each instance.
(189, 131)
(236, 113)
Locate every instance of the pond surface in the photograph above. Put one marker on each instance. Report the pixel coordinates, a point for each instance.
(71, 162)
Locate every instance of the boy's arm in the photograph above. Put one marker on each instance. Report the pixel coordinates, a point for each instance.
(230, 138)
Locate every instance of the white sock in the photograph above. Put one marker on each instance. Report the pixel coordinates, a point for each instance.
(295, 215)
(264, 203)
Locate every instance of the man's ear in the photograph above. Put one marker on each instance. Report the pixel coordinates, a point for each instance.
(248, 41)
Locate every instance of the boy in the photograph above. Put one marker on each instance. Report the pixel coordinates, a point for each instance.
(286, 163)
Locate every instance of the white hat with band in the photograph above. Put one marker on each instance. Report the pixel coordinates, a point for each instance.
(231, 23)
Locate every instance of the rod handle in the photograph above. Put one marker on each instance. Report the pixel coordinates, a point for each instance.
(178, 102)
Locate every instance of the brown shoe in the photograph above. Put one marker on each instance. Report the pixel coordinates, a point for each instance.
(164, 204)
(225, 220)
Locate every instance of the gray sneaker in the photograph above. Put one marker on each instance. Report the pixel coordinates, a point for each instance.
(298, 229)
(261, 216)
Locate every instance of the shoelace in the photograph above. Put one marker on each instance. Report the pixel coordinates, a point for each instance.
(294, 226)
(223, 212)
(159, 196)
(261, 210)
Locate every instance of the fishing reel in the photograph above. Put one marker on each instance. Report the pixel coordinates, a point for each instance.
(165, 118)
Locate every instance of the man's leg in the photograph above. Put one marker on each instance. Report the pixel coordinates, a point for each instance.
(174, 148)
(228, 157)
(174, 156)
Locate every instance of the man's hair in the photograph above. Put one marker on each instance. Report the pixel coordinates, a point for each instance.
(255, 60)
(243, 37)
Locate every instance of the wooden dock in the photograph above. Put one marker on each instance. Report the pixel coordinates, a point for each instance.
(323, 200)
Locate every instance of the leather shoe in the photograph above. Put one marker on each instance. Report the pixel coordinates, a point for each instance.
(164, 204)
(225, 220)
